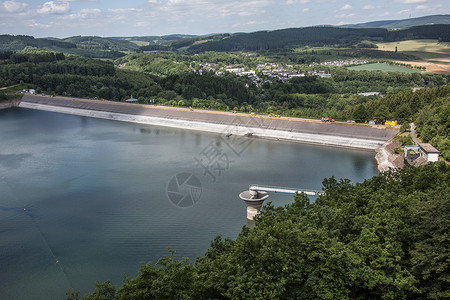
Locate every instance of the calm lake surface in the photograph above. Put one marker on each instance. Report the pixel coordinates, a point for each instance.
(85, 200)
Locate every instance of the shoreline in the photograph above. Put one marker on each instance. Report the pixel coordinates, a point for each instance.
(386, 157)
(9, 103)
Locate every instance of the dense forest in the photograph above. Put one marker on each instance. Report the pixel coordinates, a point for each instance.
(320, 36)
(92, 47)
(384, 238)
(69, 75)
(404, 23)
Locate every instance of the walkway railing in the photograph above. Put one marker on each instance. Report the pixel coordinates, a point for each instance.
(284, 190)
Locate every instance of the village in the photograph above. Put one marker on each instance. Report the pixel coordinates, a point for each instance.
(264, 72)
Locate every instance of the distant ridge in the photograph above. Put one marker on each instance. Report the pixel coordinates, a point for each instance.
(405, 23)
(435, 27)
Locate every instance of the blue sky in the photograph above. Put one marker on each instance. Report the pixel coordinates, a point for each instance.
(160, 17)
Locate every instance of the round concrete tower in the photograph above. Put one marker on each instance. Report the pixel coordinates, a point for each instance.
(254, 200)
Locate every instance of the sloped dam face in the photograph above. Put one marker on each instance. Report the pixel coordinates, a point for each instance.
(355, 136)
(85, 200)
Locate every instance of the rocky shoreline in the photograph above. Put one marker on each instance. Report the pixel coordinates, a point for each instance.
(387, 158)
(9, 103)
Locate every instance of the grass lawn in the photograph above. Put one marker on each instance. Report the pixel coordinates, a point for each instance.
(382, 67)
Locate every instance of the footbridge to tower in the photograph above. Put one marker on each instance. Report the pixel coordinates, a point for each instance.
(256, 194)
(283, 190)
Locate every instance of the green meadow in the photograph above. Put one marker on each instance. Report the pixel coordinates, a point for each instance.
(382, 67)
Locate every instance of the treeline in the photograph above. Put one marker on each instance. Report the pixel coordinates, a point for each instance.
(384, 238)
(20, 42)
(70, 75)
(288, 38)
(320, 36)
(99, 43)
(433, 124)
(92, 47)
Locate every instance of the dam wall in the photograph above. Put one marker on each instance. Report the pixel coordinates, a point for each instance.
(287, 129)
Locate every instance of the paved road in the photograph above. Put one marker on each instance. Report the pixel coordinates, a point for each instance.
(214, 117)
(413, 134)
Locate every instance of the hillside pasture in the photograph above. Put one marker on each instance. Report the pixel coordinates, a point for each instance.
(417, 46)
(434, 56)
(382, 67)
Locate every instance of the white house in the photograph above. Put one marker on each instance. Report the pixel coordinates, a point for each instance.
(428, 152)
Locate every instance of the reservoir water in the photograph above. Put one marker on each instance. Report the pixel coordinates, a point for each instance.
(85, 200)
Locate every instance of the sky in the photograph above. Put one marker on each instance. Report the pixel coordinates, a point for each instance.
(104, 18)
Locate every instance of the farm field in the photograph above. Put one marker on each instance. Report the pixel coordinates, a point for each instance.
(417, 46)
(434, 56)
(382, 67)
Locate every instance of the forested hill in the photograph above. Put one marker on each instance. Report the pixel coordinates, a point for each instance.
(87, 46)
(113, 48)
(320, 36)
(406, 23)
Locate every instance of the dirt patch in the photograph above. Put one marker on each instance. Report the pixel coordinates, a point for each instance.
(431, 67)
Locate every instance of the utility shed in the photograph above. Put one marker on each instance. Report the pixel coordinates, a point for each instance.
(429, 152)
(132, 100)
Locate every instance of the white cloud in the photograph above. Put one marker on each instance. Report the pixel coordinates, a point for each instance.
(369, 6)
(13, 6)
(248, 24)
(346, 7)
(404, 12)
(54, 7)
(123, 10)
(89, 12)
(421, 7)
(411, 1)
(211, 8)
(305, 10)
(35, 24)
(345, 16)
(292, 2)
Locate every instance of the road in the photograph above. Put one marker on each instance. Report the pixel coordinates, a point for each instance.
(413, 134)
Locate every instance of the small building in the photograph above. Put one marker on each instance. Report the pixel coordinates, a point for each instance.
(29, 91)
(428, 152)
(132, 100)
(370, 94)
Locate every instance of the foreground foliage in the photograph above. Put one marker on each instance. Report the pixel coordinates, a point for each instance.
(385, 238)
